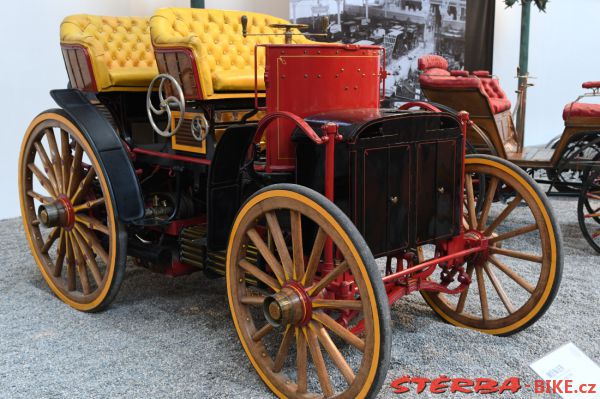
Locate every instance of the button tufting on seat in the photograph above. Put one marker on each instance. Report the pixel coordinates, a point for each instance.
(120, 49)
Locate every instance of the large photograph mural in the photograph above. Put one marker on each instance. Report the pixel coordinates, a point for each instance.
(407, 29)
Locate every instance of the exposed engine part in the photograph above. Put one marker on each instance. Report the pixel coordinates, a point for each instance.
(192, 244)
(161, 206)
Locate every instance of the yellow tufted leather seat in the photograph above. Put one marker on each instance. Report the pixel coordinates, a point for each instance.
(224, 58)
(119, 48)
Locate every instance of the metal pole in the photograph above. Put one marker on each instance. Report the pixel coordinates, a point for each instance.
(197, 3)
(523, 70)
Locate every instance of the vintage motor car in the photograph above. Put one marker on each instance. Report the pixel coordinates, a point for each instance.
(229, 143)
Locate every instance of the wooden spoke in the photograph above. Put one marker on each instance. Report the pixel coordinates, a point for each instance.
(54, 234)
(498, 287)
(92, 223)
(592, 215)
(253, 300)
(593, 196)
(88, 257)
(284, 348)
(56, 160)
(317, 356)
(512, 274)
(503, 215)
(51, 239)
(260, 334)
(297, 248)
(339, 330)
(485, 312)
(47, 164)
(70, 264)
(471, 201)
(516, 254)
(460, 306)
(487, 204)
(267, 255)
(66, 158)
(337, 304)
(43, 179)
(301, 359)
(282, 250)
(83, 186)
(92, 241)
(80, 264)
(41, 198)
(75, 175)
(88, 205)
(60, 254)
(259, 274)
(315, 257)
(334, 353)
(514, 233)
(325, 281)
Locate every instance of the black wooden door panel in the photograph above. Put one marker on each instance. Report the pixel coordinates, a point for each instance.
(399, 189)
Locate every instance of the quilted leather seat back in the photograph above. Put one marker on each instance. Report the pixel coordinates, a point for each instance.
(224, 58)
(119, 50)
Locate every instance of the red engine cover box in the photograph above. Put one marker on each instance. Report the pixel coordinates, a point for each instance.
(310, 79)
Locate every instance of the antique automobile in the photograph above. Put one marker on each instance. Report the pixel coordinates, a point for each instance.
(563, 165)
(229, 143)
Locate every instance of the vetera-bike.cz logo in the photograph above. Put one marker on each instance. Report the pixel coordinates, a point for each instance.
(445, 385)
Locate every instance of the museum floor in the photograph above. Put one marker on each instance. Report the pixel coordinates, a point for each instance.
(174, 338)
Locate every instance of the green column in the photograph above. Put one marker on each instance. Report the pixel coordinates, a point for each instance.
(523, 71)
(197, 3)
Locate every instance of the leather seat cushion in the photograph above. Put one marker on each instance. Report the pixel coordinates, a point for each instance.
(581, 110)
(591, 85)
(432, 61)
(132, 76)
(499, 105)
(448, 82)
(237, 80)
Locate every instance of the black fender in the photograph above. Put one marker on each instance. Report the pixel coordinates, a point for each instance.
(113, 158)
(224, 183)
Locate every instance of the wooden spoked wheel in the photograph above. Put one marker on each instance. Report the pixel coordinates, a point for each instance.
(588, 210)
(68, 214)
(516, 279)
(287, 309)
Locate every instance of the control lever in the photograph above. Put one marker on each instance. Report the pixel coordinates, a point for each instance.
(244, 25)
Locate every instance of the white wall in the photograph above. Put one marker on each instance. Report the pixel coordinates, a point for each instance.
(564, 52)
(32, 65)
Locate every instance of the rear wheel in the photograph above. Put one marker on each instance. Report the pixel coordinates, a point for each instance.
(516, 281)
(588, 209)
(68, 214)
(309, 330)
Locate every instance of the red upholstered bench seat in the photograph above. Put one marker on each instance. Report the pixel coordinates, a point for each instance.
(581, 110)
(591, 85)
(436, 76)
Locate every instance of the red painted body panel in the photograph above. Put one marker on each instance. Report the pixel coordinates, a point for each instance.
(311, 79)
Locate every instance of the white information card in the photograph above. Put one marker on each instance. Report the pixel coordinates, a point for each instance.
(569, 373)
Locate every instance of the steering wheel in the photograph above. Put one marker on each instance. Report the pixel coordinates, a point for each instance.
(165, 104)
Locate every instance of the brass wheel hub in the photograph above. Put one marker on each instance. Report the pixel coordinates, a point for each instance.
(291, 305)
(57, 213)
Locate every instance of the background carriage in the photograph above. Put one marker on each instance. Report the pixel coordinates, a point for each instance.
(563, 165)
(265, 157)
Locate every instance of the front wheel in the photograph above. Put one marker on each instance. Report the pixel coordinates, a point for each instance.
(310, 329)
(68, 214)
(516, 280)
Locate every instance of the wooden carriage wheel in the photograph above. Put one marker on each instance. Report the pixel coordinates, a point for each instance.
(588, 209)
(289, 327)
(525, 256)
(68, 214)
